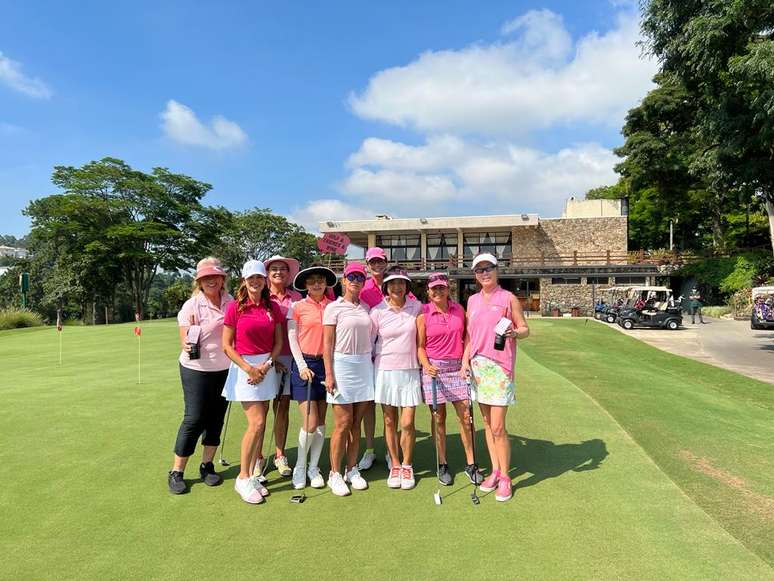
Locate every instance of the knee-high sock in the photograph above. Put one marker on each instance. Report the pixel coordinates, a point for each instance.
(304, 441)
(317, 445)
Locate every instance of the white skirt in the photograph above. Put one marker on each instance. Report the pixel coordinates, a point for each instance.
(354, 378)
(398, 387)
(237, 388)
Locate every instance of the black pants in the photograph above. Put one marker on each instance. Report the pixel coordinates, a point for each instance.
(205, 409)
(696, 311)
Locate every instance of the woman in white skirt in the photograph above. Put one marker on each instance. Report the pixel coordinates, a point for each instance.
(398, 382)
(349, 377)
(252, 339)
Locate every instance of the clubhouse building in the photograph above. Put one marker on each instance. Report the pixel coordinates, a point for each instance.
(549, 263)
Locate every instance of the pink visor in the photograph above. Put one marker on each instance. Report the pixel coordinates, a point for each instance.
(375, 252)
(210, 270)
(355, 267)
(437, 279)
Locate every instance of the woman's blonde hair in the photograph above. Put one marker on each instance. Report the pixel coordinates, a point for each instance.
(196, 287)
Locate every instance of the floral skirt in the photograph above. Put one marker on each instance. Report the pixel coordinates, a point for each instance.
(494, 385)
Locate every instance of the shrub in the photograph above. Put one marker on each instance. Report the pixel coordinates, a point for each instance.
(14, 318)
(741, 303)
(717, 311)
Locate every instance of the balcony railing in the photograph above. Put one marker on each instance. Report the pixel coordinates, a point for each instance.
(611, 258)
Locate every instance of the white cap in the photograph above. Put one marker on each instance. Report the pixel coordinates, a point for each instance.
(252, 267)
(485, 257)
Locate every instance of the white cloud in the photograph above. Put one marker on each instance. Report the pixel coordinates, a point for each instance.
(316, 211)
(181, 125)
(11, 75)
(448, 172)
(534, 80)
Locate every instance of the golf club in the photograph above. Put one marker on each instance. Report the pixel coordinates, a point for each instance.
(262, 472)
(223, 461)
(434, 431)
(300, 498)
(474, 494)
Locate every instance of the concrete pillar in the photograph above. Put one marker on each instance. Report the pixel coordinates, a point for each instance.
(460, 248)
(513, 246)
(423, 249)
(371, 240)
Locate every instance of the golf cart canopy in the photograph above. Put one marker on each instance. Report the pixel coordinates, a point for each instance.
(650, 288)
(762, 291)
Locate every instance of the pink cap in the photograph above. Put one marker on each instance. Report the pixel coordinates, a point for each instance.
(210, 270)
(437, 279)
(375, 252)
(355, 267)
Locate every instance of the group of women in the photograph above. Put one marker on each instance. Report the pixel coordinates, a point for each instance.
(375, 344)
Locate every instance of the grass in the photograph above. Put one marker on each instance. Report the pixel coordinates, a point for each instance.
(602, 490)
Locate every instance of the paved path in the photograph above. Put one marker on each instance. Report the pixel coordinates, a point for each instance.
(722, 342)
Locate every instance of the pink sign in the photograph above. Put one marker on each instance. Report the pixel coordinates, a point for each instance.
(333, 243)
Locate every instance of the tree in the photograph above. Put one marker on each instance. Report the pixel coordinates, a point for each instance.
(258, 234)
(723, 54)
(117, 216)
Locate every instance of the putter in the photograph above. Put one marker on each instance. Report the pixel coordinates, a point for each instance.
(300, 498)
(223, 461)
(262, 472)
(437, 496)
(473, 495)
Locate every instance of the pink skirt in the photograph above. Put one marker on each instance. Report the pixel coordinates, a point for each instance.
(449, 385)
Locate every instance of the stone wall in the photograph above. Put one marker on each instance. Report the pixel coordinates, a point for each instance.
(562, 237)
(567, 296)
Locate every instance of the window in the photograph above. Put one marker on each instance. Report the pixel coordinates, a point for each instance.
(566, 280)
(630, 280)
(498, 243)
(400, 247)
(598, 280)
(441, 246)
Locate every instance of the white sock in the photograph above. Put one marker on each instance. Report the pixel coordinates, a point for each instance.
(304, 439)
(318, 439)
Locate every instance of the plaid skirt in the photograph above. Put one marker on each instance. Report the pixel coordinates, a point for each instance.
(449, 387)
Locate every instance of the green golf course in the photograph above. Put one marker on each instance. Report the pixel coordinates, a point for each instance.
(628, 463)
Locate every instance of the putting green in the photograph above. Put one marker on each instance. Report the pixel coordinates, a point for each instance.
(84, 496)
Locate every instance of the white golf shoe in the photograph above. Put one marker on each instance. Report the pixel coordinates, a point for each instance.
(316, 479)
(353, 477)
(337, 485)
(299, 477)
(366, 461)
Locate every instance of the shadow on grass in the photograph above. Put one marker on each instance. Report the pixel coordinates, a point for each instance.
(544, 459)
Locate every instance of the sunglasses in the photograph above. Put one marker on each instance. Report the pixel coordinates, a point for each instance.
(355, 277)
(483, 269)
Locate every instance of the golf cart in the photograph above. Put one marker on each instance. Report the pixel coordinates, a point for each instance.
(650, 306)
(762, 316)
(616, 296)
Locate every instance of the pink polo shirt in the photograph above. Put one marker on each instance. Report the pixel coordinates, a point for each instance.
(444, 332)
(371, 293)
(308, 315)
(483, 316)
(210, 318)
(396, 332)
(354, 334)
(284, 303)
(254, 327)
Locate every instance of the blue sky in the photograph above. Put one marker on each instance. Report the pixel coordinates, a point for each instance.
(323, 110)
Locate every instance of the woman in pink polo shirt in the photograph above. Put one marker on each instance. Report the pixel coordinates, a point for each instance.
(397, 383)
(282, 271)
(441, 334)
(252, 339)
(203, 370)
(305, 333)
(492, 368)
(349, 376)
